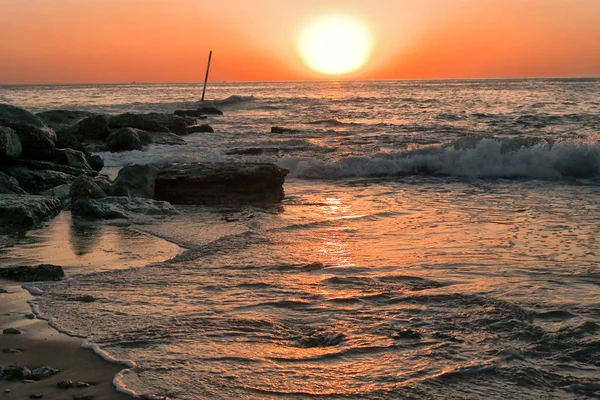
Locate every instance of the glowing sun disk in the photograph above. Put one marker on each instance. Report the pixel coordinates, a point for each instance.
(335, 44)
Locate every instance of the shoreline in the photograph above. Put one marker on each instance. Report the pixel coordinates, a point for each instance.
(41, 345)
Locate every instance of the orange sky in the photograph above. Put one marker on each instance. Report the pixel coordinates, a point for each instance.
(71, 41)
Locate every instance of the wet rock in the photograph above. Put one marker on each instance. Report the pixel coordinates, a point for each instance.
(83, 299)
(220, 183)
(36, 396)
(91, 128)
(209, 110)
(36, 143)
(72, 158)
(30, 316)
(165, 138)
(120, 208)
(95, 162)
(14, 372)
(50, 166)
(136, 181)
(71, 384)
(37, 273)
(104, 183)
(66, 140)
(3, 291)
(279, 129)
(27, 211)
(62, 192)
(85, 187)
(10, 331)
(63, 119)
(83, 397)
(11, 351)
(19, 115)
(9, 185)
(204, 128)
(95, 146)
(41, 373)
(36, 181)
(313, 267)
(10, 144)
(406, 334)
(124, 139)
(147, 122)
(321, 340)
(175, 123)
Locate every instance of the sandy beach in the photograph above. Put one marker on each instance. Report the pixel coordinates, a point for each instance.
(41, 345)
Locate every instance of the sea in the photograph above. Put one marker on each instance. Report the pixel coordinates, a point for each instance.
(437, 240)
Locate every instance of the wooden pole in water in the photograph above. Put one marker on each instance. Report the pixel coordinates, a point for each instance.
(206, 77)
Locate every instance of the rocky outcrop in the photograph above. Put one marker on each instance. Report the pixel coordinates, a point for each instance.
(72, 158)
(139, 121)
(200, 112)
(205, 128)
(123, 139)
(42, 272)
(9, 185)
(36, 143)
(20, 116)
(84, 187)
(220, 183)
(27, 211)
(36, 181)
(120, 208)
(10, 144)
(279, 129)
(63, 119)
(91, 128)
(136, 181)
(209, 110)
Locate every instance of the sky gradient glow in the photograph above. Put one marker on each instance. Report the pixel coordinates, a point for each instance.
(74, 41)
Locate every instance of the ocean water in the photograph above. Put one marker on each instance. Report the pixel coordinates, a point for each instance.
(438, 239)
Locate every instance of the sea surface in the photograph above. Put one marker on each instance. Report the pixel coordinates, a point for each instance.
(438, 240)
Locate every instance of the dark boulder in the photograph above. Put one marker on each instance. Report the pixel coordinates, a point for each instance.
(14, 372)
(49, 166)
(10, 144)
(36, 181)
(279, 129)
(84, 187)
(210, 110)
(175, 123)
(95, 146)
(37, 143)
(136, 181)
(27, 211)
(139, 121)
(42, 272)
(199, 129)
(72, 158)
(95, 162)
(20, 116)
(63, 119)
(165, 138)
(62, 192)
(123, 139)
(220, 183)
(9, 185)
(91, 128)
(104, 183)
(120, 208)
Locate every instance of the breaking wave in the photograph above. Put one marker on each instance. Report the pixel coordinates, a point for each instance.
(467, 157)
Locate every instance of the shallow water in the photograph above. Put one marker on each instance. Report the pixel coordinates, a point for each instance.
(409, 259)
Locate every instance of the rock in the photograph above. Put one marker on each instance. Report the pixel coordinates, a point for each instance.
(63, 119)
(136, 181)
(14, 372)
(145, 138)
(71, 384)
(313, 267)
(27, 211)
(41, 373)
(91, 128)
(11, 351)
(9, 185)
(175, 123)
(62, 192)
(10, 331)
(279, 129)
(147, 122)
(36, 143)
(30, 316)
(36, 181)
(104, 183)
(95, 162)
(2, 291)
(10, 144)
(72, 158)
(165, 138)
(209, 110)
(95, 146)
(321, 340)
(123, 139)
(220, 183)
(36, 396)
(37, 273)
(83, 397)
(120, 208)
(406, 334)
(199, 129)
(83, 299)
(84, 187)
(50, 166)
(19, 115)
(66, 140)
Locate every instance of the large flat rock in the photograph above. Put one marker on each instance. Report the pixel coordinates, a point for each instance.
(220, 183)
(23, 211)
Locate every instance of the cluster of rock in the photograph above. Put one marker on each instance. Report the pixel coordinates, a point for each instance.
(47, 163)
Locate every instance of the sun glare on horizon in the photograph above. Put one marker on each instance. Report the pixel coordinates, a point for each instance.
(335, 44)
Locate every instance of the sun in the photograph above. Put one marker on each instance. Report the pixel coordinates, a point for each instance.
(335, 44)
